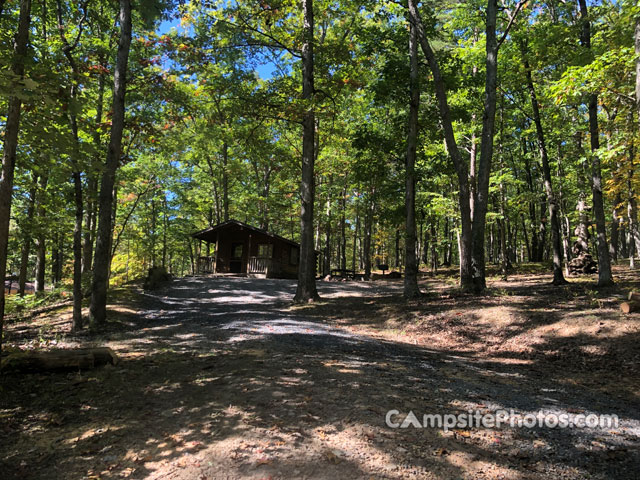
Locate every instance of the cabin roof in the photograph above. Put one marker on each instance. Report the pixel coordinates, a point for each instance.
(206, 233)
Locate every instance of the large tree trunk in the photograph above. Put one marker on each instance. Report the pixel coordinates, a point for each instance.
(465, 244)
(306, 289)
(486, 148)
(411, 289)
(556, 239)
(102, 258)
(604, 265)
(12, 127)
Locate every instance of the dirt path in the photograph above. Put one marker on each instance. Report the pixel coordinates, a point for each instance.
(222, 378)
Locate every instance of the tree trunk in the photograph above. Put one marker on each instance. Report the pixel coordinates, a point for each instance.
(396, 260)
(343, 233)
(434, 246)
(486, 149)
(326, 260)
(637, 47)
(77, 250)
(40, 239)
(306, 289)
(100, 281)
(465, 244)
(11, 130)
(355, 241)
(411, 289)
(77, 181)
(604, 265)
(556, 239)
(368, 232)
(225, 180)
(615, 233)
(26, 246)
(41, 261)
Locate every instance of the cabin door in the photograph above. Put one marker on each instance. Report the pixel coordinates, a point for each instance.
(235, 265)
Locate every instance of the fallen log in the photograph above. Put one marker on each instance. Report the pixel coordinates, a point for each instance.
(59, 359)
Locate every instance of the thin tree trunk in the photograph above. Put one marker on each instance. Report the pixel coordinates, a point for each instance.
(326, 263)
(40, 240)
(636, 38)
(41, 263)
(343, 233)
(225, 180)
(76, 178)
(355, 241)
(26, 246)
(368, 232)
(306, 289)
(615, 233)
(604, 265)
(434, 246)
(556, 239)
(103, 241)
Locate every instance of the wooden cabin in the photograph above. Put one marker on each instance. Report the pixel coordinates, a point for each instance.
(246, 250)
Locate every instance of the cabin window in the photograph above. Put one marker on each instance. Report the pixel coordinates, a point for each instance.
(236, 250)
(293, 256)
(265, 250)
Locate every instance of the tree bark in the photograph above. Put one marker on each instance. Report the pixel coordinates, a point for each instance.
(100, 281)
(306, 289)
(11, 130)
(411, 289)
(604, 264)
(556, 239)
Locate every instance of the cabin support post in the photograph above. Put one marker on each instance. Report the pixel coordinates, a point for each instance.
(248, 255)
(215, 261)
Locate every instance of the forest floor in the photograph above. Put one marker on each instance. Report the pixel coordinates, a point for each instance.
(222, 378)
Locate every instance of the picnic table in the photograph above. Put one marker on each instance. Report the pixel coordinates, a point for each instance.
(346, 273)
